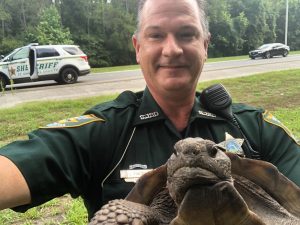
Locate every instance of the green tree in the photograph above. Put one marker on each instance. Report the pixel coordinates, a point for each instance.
(240, 26)
(23, 15)
(272, 13)
(8, 44)
(130, 6)
(103, 28)
(119, 27)
(293, 25)
(261, 18)
(94, 48)
(4, 17)
(50, 30)
(258, 27)
(227, 30)
(294, 22)
(83, 16)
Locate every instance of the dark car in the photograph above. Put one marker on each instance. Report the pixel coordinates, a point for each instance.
(269, 50)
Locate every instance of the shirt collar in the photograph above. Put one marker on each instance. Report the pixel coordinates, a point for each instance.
(150, 111)
(199, 111)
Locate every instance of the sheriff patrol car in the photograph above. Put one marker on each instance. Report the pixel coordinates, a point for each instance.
(62, 63)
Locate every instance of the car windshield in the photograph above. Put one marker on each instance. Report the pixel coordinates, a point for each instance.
(8, 55)
(264, 46)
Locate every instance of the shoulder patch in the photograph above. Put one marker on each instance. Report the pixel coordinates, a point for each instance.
(268, 117)
(240, 107)
(75, 121)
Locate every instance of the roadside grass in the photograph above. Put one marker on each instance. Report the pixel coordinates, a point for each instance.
(135, 67)
(294, 52)
(279, 92)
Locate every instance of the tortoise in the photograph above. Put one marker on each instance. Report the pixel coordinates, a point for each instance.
(202, 185)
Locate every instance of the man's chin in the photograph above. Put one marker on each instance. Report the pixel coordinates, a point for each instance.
(180, 87)
(178, 82)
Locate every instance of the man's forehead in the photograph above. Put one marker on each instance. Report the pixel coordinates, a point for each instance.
(172, 7)
(179, 27)
(180, 9)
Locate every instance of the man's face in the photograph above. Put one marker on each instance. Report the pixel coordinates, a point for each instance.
(170, 45)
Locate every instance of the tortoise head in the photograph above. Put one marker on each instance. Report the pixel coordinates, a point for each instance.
(196, 161)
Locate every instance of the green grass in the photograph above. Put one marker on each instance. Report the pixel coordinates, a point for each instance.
(115, 68)
(19, 120)
(276, 91)
(294, 52)
(63, 210)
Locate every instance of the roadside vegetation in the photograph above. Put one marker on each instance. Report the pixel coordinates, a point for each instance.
(105, 27)
(134, 67)
(276, 91)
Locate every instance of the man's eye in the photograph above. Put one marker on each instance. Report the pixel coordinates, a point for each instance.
(155, 36)
(186, 35)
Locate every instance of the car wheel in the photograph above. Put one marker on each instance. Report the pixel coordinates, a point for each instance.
(2, 83)
(285, 53)
(252, 57)
(68, 76)
(267, 55)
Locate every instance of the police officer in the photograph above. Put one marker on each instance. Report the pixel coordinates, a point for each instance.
(98, 155)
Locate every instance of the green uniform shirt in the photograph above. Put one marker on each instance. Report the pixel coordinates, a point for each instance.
(83, 156)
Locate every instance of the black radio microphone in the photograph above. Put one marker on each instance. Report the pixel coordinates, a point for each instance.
(217, 100)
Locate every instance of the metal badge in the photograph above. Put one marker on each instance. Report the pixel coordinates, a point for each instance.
(233, 145)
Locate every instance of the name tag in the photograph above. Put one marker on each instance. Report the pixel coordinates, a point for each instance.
(149, 115)
(132, 175)
(208, 114)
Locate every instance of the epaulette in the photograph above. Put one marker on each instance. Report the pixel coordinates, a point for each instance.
(125, 99)
(268, 117)
(240, 107)
(74, 122)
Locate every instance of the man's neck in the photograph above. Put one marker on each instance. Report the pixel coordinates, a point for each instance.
(176, 108)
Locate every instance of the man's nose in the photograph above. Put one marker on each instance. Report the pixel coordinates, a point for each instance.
(171, 47)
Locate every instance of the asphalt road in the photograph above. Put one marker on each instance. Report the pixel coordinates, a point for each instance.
(114, 82)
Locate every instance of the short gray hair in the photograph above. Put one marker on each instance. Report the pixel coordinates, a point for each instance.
(202, 14)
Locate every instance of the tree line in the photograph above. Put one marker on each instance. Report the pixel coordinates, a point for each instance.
(103, 28)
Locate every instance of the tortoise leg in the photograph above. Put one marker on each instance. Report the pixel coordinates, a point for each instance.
(118, 212)
(219, 204)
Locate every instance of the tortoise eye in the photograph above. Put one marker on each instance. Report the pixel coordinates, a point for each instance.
(213, 151)
(220, 147)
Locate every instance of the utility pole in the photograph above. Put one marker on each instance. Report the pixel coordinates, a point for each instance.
(286, 21)
(126, 5)
(103, 26)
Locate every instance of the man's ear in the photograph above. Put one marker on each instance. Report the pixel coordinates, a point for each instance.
(136, 45)
(206, 43)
